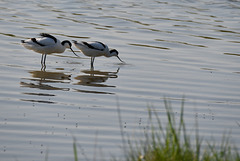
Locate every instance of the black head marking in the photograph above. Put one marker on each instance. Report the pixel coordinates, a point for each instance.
(66, 41)
(49, 36)
(114, 50)
(70, 45)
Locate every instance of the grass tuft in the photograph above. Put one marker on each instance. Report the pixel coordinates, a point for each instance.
(171, 143)
(174, 144)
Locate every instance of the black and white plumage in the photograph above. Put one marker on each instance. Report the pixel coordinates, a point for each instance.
(95, 49)
(46, 44)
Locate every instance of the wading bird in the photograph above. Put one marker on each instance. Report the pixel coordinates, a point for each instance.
(94, 49)
(46, 44)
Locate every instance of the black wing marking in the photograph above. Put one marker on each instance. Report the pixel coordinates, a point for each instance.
(88, 45)
(35, 41)
(49, 36)
(92, 47)
(104, 46)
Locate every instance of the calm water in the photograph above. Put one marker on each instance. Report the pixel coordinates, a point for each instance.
(172, 49)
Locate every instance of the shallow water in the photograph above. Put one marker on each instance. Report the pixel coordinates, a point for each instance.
(172, 50)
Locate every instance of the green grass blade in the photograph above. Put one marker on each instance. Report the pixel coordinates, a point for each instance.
(75, 149)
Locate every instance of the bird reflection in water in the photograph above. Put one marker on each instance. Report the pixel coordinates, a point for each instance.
(41, 80)
(95, 78)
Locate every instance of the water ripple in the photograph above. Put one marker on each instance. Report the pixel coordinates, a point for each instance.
(150, 46)
(172, 48)
(179, 42)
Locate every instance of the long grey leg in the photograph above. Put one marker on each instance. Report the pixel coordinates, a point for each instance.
(42, 59)
(45, 56)
(92, 61)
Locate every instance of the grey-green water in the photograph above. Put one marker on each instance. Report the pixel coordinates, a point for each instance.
(172, 48)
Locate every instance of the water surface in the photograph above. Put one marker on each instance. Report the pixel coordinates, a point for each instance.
(171, 49)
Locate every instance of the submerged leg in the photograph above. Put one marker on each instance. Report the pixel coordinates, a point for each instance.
(43, 67)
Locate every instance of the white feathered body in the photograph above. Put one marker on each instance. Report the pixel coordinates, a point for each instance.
(48, 45)
(92, 48)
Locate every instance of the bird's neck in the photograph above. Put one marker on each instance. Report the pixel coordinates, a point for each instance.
(60, 48)
(110, 54)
